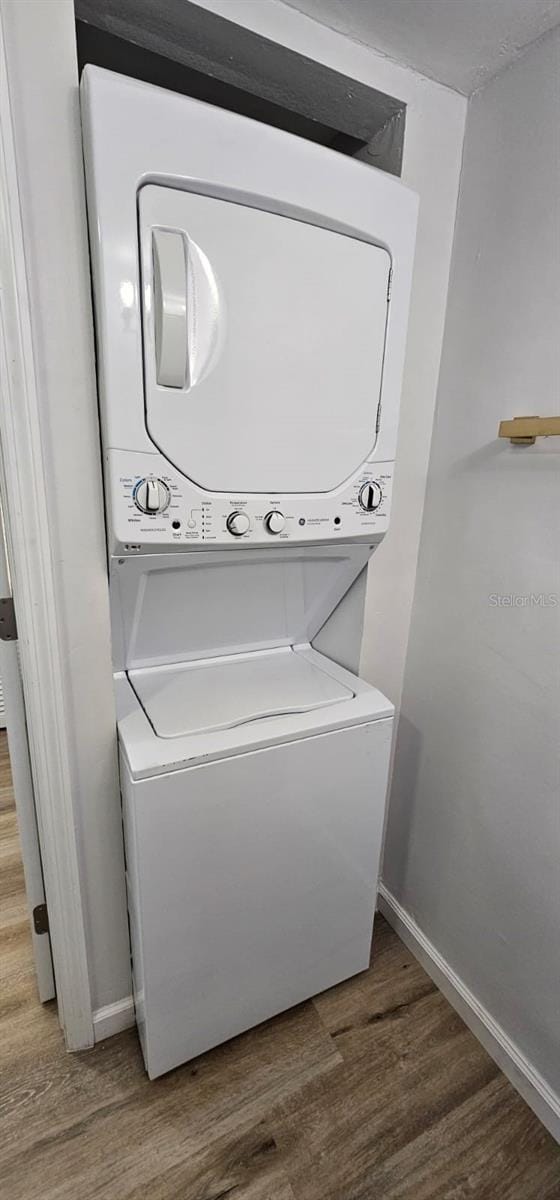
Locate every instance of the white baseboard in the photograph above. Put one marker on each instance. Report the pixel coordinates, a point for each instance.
(113, 1018)
(527, 1081)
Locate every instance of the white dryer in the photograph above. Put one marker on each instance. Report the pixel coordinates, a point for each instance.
(251, 296)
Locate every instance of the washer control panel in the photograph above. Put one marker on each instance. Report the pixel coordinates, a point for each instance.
(154, 507)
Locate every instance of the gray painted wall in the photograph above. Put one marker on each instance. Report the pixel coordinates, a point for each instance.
(473, 836)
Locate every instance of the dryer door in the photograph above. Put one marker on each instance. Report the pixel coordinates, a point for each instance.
(263, 344)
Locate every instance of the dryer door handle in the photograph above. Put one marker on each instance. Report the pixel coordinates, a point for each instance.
(170, 307)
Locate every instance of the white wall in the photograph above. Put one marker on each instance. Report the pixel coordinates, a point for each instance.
(473, 838)
(435, 121)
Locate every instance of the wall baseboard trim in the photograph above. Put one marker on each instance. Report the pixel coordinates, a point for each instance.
(113, 1018)
(525, 1079)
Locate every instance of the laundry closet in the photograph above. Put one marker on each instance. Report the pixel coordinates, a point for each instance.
(251, 298)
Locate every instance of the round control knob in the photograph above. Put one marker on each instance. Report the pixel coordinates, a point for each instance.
(274, 522)
(370, 496)
(151, 495)
(238, 523)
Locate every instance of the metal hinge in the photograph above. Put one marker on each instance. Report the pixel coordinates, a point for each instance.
(40, 919)
(8, 627)
(389, 284)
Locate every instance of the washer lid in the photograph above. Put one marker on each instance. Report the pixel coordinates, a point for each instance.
(211, 694)
(184, 607)
(264, 338)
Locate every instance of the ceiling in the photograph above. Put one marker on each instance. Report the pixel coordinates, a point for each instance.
(461, 43)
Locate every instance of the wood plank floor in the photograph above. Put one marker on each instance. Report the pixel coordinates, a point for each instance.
(374, 1091)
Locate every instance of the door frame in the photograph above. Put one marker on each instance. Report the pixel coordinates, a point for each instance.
(24, 489)
(22, 783)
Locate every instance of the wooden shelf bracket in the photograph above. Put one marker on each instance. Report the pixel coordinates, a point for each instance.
(523, 431)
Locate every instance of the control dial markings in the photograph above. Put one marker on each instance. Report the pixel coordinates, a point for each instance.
(274, 521)
(238, 523)
(151, 495)
(370, 496)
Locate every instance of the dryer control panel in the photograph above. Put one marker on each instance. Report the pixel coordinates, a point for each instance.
(155, 508)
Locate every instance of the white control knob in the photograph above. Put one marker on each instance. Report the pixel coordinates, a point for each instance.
(274, 521)
(151, 496)
(370, 496)
(238, 523)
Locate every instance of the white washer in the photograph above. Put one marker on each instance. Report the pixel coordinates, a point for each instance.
(251, 298)
(252, 859)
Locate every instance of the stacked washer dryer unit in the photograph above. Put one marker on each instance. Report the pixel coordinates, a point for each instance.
(251, 297)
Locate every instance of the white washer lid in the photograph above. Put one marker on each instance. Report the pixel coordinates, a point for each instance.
(220, 693)
(191, 606)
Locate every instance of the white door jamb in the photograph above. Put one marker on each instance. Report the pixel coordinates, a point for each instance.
(24, 488)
